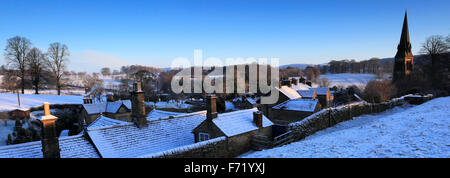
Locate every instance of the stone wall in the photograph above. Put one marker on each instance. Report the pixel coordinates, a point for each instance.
(214, 148)
(331, 116)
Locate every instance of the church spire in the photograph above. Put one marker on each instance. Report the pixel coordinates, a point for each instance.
(404, 47)
(404, 64)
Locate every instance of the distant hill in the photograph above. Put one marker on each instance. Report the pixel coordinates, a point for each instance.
(301, 66)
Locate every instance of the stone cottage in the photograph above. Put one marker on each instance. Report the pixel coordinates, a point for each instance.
(120, 110)
(294, 110)
(238, 127)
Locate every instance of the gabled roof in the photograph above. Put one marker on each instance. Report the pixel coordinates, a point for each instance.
(128, 141)
(71, 147)
(321, 91)
(103, 121)
(307, 105)
(238, 122)
(110, 107)
(252, 100)
(289, 92)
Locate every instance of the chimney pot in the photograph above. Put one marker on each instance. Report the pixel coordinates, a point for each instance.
(46, 109)
(137, 86)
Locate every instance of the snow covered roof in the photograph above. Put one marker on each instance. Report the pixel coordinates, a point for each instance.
(252, 100)
(321, 91)
(307, 105)
(158, 114)
(306, 93)
(238, 122)
(103, 121)
(237, 99)
(289, 92)
(300, 86)
(110, 107)
(71, 147)
(128, 141)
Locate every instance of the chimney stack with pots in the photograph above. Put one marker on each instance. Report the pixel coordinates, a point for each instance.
(211, 110)
(257, 119)
(50, 143)
(138, 105)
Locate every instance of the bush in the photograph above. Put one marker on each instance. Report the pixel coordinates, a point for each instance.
(377, 91)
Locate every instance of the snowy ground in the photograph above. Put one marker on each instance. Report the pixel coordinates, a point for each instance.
(408, 131)
(51, 92)
(8, 101)
(346, 79)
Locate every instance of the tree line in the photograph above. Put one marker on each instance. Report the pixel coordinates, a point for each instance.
(28, 63)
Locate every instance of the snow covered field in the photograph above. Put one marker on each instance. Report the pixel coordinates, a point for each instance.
(407, 131)
(347, 79)
(8, 101)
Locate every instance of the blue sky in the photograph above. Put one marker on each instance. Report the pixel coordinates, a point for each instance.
(114, 33)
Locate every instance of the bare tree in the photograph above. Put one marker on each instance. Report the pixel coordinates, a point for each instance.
(435, 45)
(9, 80)
(105, 71)
(324, 82)
(35, 63)
(57, 58)
(15, 54)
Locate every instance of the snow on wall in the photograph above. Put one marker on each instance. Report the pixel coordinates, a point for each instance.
(185, 148)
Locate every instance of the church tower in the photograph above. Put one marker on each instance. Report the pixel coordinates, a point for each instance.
(403, 65)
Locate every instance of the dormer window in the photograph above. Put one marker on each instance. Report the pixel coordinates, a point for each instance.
(203, 136)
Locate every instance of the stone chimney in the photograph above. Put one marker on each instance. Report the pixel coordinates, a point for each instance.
(138, 106)
(302, 80)
(294, 81)
(257, 119)
(50, 143)
(110, 98)
(211, 109)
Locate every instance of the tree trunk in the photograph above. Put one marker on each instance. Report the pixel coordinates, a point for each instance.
(23, 84)
(36, 88)
(58, 86)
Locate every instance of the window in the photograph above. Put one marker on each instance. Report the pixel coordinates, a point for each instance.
(203, 136)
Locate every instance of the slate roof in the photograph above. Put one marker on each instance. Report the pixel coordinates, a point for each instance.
(71, 147)
(238, 122)
(307, 105)
(306, 93)
(320, 91)
(128, 141)
(103, 121)
(110, 107)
